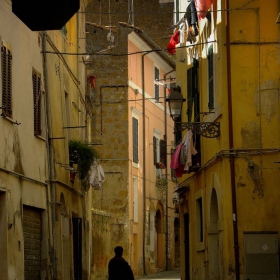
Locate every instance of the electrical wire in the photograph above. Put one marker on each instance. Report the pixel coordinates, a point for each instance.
(132, 53)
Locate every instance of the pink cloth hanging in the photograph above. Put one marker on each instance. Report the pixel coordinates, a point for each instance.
(202, 6)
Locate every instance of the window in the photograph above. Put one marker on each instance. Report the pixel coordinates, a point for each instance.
(199, 218)
(135, 158)
(6, 67)
(36, 79)
(135, 200)
(156, 86)
(159, 146)
(193, 94)
(210, 78)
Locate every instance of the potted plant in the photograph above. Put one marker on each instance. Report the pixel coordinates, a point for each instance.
(84, 156)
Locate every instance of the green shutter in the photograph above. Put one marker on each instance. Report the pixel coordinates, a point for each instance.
(135, 140)
(210, 79)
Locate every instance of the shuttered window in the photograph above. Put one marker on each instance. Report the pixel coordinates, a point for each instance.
(155, 148)
(6, 67)
(190, 93)
(162, 144)
(159, 147)
(36, 79)
(210, 78)
(135, 140)
(156, 86)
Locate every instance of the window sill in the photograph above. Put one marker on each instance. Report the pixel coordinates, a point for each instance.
(40, 137)
(9, 119)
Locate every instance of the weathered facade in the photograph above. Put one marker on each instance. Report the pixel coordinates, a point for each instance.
(229, 73)
(120, 214)
(45, 217)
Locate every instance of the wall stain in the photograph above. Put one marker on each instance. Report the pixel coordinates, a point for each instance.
(250, 134)
(18, 167)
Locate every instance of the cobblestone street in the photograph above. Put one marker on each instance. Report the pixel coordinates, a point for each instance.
(171, 275)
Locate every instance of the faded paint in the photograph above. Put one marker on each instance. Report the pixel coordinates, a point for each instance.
(255, 115)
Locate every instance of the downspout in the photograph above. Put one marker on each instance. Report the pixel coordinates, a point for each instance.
(166, 198)
(51, 185)
(231, 146)
(144, 161)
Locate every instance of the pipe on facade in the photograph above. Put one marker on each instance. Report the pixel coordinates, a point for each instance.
(51, 186)
(231, 146)
(166, 198)
(144, 160)
(101, 98)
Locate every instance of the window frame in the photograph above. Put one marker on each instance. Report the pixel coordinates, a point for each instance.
(37, 102)
(6, 79)
(156, 78)
(211, 84)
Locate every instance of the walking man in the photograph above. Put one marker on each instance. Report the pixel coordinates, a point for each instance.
(118, 267)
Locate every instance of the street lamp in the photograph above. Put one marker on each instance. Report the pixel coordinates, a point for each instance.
(205, 129)
(175, 101)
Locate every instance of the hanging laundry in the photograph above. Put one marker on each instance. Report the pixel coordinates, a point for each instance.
(174, 40)
(192, 19)
(97, 176)
(202, 6)
(189, 150)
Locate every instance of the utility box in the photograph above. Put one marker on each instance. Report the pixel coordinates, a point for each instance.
(261, 255)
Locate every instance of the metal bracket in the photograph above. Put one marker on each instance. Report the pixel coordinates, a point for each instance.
(205, 129)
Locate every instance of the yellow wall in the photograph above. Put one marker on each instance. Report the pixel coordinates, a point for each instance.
(254, 78)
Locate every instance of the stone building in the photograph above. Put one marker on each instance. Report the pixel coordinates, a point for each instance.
(120, 214)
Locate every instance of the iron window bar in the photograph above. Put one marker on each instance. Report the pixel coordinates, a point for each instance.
(205, 129)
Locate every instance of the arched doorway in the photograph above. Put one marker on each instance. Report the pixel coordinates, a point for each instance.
(159, 225)
(213, 238)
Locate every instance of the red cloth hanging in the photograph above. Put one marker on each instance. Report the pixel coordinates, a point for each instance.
(202, 6)
(174, 40)
(91, 81)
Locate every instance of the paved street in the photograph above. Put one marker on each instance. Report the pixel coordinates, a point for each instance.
(171, 275)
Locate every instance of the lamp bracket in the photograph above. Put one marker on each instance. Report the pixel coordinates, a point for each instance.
(205, 129)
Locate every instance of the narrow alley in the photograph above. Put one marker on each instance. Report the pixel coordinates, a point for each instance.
(170, 274)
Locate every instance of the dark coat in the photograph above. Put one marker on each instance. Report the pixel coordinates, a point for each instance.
(119, 269)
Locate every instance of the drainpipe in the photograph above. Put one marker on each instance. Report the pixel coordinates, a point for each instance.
(51, 186)
(166, 198)
(231, 146)
(144, 161)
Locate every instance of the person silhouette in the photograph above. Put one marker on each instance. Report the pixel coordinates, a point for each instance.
(118, 267)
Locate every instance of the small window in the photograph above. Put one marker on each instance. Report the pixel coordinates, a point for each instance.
(135, 140)
(135, 200)
(210, 78)
(6, 67)
(36, 79)
(156, 86)
(199, 219)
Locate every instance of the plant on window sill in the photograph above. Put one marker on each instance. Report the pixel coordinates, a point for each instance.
(161, 182)
(84, 156)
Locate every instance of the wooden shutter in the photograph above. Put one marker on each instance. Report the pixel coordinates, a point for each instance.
(210, 78)
(135, 139)
(36, 78)
(6, 58)
(190, 93)
(163, 151)
(156, 86)
(155, 149)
